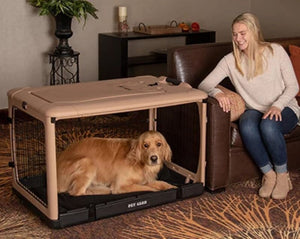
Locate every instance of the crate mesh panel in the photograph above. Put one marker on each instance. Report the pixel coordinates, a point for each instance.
(29, 136)
(180, 126)
(29, 151)
(124, 125)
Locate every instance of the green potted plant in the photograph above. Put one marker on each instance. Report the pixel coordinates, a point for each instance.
(63, 11)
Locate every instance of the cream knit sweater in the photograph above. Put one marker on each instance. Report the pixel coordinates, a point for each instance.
(277, 86)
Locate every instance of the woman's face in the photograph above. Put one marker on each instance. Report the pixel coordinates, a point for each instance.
(241, 36)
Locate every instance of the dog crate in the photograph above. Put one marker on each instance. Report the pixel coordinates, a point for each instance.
(45, 120)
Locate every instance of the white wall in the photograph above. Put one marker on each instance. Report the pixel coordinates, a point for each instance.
(278, 18)
(26, 37)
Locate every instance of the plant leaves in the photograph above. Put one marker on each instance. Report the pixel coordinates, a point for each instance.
(72, 8)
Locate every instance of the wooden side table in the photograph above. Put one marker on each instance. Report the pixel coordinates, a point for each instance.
(113, 51)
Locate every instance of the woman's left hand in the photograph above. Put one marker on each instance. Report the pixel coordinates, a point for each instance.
(273, 112)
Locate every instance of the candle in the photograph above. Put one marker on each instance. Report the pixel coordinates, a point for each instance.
(123, 26)
(122, 11)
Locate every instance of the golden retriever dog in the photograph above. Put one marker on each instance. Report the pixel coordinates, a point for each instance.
(113, 165)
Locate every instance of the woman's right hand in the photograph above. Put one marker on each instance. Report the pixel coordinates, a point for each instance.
(224, 101)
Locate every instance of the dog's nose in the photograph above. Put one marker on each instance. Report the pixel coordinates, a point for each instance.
(153, 158)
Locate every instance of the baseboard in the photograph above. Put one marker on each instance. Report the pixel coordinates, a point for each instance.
(4, 116)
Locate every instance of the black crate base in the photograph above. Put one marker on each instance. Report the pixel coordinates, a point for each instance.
(81, 209)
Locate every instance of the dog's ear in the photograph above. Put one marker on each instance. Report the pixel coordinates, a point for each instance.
(135, 150)
(168, 152)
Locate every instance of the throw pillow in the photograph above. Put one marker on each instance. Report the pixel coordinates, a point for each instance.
(295, 58)
(237, 103)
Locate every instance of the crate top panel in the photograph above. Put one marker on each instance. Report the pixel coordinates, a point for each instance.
(102, 97)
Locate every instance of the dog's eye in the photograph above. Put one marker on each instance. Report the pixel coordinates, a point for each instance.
(158, 144)
(146, 145)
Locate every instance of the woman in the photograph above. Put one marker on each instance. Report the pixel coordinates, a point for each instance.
(263, 75)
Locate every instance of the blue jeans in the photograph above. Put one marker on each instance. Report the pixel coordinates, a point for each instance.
(264, 138)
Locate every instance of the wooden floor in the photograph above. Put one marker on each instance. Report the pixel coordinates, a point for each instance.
(4, 139)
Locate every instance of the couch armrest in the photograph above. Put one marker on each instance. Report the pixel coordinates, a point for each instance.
(217, 146)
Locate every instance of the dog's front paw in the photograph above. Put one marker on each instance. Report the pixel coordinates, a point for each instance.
(161, 185)
(170, 186)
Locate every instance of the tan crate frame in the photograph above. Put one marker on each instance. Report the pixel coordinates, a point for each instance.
(52, 103)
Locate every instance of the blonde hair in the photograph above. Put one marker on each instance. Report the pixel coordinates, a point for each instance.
(255, 44)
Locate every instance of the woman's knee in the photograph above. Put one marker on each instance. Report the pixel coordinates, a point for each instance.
(246, 126)
(269, 128)
(249, 122)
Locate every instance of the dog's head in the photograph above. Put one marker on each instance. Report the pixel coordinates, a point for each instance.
(152, 148)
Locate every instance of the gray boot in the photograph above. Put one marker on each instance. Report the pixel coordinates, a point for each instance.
(283, 186)
(268, 184)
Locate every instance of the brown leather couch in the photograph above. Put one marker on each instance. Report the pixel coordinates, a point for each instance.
(227, 160)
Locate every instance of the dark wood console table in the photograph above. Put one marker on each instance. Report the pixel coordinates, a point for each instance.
(113, 51)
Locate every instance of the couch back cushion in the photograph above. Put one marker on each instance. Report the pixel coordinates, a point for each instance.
(286, 42)
(193, 63)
